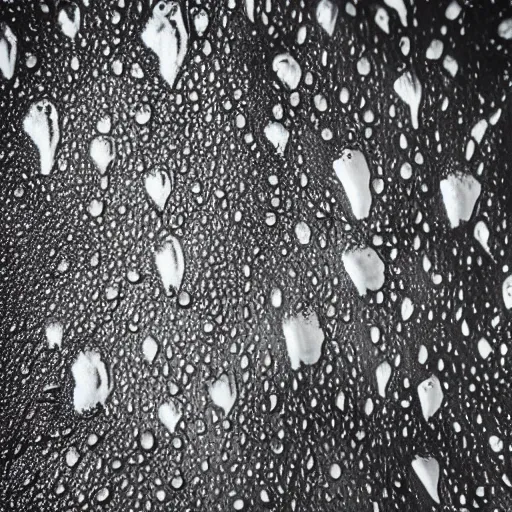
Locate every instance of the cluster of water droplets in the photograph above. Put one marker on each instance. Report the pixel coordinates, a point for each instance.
(256, 255)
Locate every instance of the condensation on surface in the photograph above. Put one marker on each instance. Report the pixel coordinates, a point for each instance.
(255, 255)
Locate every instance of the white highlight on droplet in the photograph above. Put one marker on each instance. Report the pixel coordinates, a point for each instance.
(335, 471)
(427, 470)
(409, 90)
(382, 19)
(278, 136)
(451, 65)
(400, 8)
(303, 233)
(484, 349)
(470, 149)
(383, 374)
(104, 125)
(69, 20)
(363, 66)
(481, 234)
(478, 131)
(8, 51)
(460, 193)
(422, 354)
(72, 457)
(166, 35)
(326, 15)
(143, 114)
(452, 11)
(149, 348)
(365, 268)
(147, 440)
(276, 297)
(102, 152)
(435, 49)
(170, 264)
(407, 309)
(249, 9)
(405, 45)
(95, 208)
(42, 125)
(505, 29)
(170, 414)
(506, 290)
(287, 70)
(340, 401)
(304, 339)
(158, 186)
(223, 393)
(354, 174)
(92, 385)
(431, 396)
(201, 21)
(406, 171)
(496, 444)
(54, 332)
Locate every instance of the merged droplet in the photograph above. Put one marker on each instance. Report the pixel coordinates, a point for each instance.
(304, 339)
(8, 51)
(409, 89)
(460, 194)
(278, 136)
(287, 69)
(170, 264)
(69, 19)
(223, 393)
(92, 385)
(427, 470)
(431, 396)
(102, 151)
(42, 125)
(383, 374)
(167, 36)
(365, 268)
(326, 15)
(170, 414)
(158, 186)
(353, 172)
(54, 333)
(149, 348)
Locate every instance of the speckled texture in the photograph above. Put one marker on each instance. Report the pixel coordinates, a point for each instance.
(130, 385)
